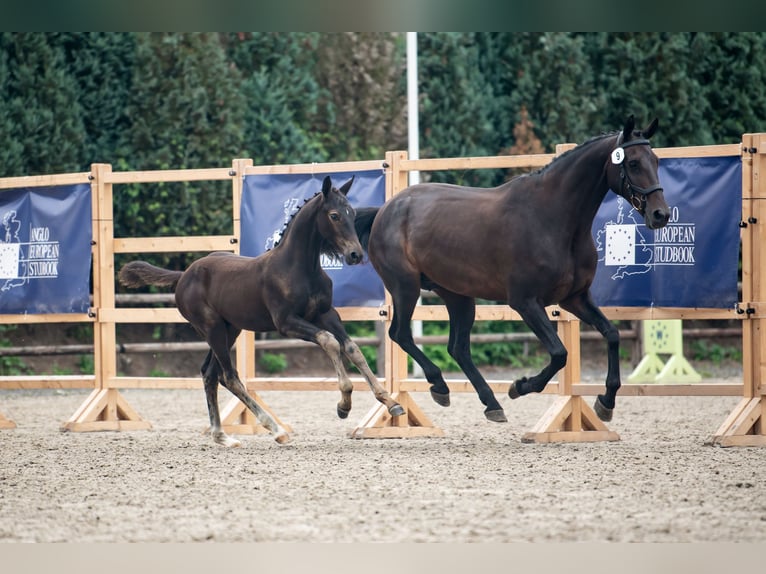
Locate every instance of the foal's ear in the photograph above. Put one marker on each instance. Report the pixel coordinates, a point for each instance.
(649, 132)
(627, 131)
(326, 185)
(346, 186)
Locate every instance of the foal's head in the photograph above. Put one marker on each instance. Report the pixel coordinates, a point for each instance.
(335, 223)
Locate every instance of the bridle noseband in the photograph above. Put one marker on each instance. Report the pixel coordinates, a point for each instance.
(638, 194)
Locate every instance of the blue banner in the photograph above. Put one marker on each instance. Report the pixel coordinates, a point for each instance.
(268, 203)
(693, 261)
(45, 249)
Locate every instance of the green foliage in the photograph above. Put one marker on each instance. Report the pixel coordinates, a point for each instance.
(86, 364)
(198, 100)
(273, 362)
(703, 350)
(42, 127)
(10, 366)
(508, 353)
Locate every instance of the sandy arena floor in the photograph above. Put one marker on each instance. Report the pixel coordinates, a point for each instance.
(480, 483)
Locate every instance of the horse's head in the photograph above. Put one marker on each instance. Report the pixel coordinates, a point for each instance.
(336, 223)
(632, 173)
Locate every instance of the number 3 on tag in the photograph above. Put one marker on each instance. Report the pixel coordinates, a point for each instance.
(618, 155)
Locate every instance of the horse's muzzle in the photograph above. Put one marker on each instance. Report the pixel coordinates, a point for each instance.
(354, 257)
(658, 218)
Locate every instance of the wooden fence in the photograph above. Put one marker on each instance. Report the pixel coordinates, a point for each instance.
(569, 418)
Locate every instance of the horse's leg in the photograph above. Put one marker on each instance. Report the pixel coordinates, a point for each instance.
(405, 298)
(462, 313)
(296, 327)
(221, 337)
(211, 373)
(535, 317)
(332, 323)
(583, 308)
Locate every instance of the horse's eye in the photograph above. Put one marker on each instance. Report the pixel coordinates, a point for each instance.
(334, 216)
(633, 164)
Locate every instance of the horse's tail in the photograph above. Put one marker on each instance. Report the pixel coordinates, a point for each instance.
(141, 273)
(363, 223)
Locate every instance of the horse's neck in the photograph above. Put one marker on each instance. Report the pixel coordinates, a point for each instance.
(301, 242)
(578, 185)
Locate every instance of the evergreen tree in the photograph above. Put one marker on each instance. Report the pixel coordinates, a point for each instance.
(363, 82)
(102, 65)
(281, 96)
(455, 104)
(186, 112)
(42, 127)
(730, 70)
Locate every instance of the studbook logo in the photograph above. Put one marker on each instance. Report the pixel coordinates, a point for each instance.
(631, 248)
(22, 261)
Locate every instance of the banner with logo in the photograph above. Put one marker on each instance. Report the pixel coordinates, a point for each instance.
(45, 249)
(268, 203)
(693, 261)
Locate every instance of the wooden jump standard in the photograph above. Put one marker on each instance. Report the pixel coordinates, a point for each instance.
(568, 419)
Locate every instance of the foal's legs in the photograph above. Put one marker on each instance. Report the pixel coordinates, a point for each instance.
(462, 313)
(211, 373)
(332, 323)
(533, 314)
(221, 337)
(405, 297)
(583, 308)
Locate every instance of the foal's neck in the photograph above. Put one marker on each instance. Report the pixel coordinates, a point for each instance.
(301, 242)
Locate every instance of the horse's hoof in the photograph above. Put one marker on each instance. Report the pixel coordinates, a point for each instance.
(603, 413)
(343, 413)
(441, 399)
(396, 410)
(496, 416)
(282, 438)
(513, 392)
(227, 441)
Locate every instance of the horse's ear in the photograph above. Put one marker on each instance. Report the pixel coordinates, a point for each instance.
(326, 185)
(627, 131)
(649, 132)
(346, 186)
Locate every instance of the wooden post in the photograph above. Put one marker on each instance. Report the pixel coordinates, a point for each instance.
(236, 418)
(746, 424)
(6, 423)
(569, 418)
(104, 409)
(378, 423)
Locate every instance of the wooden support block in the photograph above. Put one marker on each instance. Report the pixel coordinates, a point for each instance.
(569, 419)
(105, 410)
(236, 418)
(745, 425)
(378, 423)
(6, 423)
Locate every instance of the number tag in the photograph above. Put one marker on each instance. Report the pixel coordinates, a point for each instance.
(618, 155)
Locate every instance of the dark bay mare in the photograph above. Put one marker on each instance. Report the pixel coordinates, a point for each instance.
(283, 290)
(526, 243)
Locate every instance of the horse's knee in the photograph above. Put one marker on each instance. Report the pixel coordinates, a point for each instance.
(559, 359)
(612, 335)
(328, 342)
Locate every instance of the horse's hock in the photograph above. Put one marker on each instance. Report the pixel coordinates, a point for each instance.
(569, 418)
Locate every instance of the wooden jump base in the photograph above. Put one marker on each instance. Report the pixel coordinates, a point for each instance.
(568, 419)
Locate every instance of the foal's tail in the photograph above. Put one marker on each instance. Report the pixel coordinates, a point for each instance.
(141, 273)
(363, 223)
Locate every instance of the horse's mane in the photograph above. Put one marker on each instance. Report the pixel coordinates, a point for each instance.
(325, 247)
(574, 151)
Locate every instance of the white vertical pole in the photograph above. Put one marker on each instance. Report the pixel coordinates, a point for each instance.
(413, 131)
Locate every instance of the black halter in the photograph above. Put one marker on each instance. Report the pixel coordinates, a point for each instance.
(637, 194)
